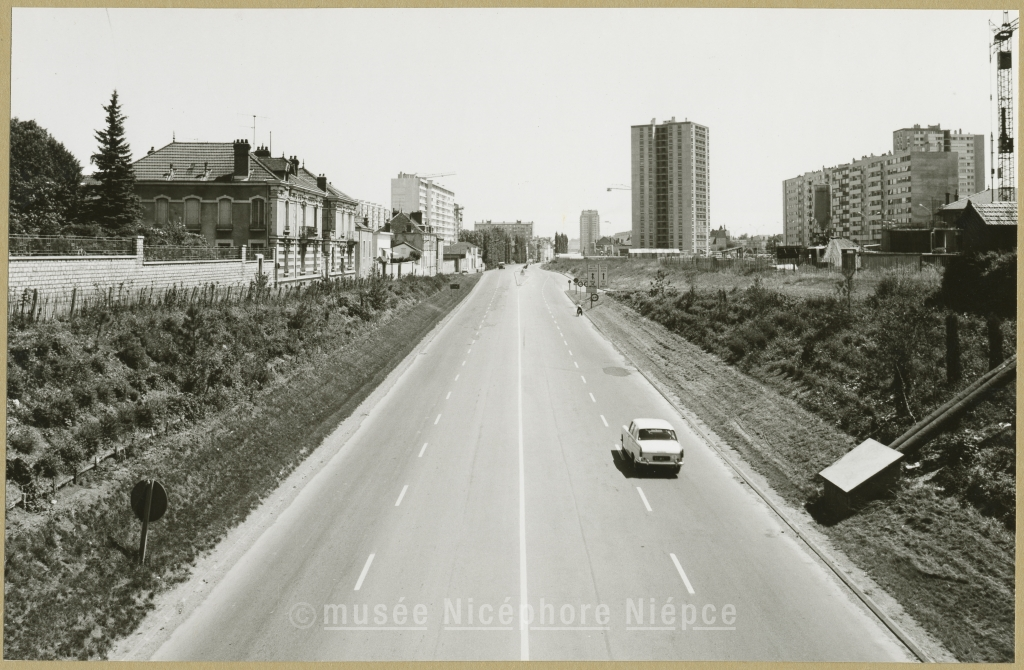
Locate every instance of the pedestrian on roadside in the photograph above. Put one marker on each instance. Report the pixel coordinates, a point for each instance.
(579, 309)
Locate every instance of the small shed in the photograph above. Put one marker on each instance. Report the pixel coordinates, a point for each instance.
(868, 471)
(834, 250)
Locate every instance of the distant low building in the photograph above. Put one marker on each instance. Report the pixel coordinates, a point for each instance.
(464, 256)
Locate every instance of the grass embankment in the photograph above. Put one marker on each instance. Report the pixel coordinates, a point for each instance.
(261, 383)
(944, 545)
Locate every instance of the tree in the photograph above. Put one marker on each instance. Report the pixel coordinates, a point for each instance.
(45, 179)
(111, 202)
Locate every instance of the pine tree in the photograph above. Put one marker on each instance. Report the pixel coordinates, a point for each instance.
(112, 203)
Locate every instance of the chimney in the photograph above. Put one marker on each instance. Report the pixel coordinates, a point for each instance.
(295, 165)
(417, 217)
(241, 159)
(321, 183)
(262, 152)
(151, 150)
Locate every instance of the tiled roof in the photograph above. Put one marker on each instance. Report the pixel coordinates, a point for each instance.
(997, 213)
(459, 247)
(195, 161)
(335, 193)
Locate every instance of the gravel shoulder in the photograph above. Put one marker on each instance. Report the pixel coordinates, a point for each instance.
(944, 573)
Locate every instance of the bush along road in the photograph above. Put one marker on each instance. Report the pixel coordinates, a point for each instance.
(256, 382)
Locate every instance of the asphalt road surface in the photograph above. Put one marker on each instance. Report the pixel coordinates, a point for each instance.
(481, 512)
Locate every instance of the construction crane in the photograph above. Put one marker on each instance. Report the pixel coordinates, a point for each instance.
(619, 187)
(435, 176)
(1002, 47)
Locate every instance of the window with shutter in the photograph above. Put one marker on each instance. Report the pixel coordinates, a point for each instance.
(161, 212)
(224, 214)
(192, 213)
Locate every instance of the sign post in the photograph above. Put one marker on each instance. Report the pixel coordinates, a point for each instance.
(149, 502)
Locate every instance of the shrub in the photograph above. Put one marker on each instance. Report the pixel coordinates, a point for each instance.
(25, 440)
(981, 283)
(18, 471)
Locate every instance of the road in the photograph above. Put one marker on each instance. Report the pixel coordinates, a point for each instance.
(481, 512)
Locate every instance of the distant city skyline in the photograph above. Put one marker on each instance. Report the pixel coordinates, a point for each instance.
(793, 90)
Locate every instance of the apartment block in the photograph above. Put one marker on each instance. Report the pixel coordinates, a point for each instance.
(524, 228)
(969, 147)
(590, 230)
(412, 193)
(670, 186)
(855, 200)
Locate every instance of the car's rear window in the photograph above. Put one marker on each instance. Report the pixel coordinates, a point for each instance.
(656, 434)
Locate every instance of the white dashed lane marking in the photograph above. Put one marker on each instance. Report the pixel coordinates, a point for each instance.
(682, 574)
(401, 495)
(644, 498)
(422, 450)
(362, 575)
(592, 397)
(603, 420)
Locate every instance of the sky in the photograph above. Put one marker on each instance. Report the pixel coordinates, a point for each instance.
(529, 108)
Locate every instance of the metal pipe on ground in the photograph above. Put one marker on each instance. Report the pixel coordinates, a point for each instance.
(1010, 363)
(1002, 375)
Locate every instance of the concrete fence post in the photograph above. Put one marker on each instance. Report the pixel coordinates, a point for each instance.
(140, 242)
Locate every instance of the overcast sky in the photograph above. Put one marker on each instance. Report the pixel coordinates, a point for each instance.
(531, 108)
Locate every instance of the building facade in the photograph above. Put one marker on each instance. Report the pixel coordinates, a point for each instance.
(590, 230)
(234, 196)
(372, 215)
(670, 186)
(969, 148)
(856, 200)
(412, 193)
(518, 228)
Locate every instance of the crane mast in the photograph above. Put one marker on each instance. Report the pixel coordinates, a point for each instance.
(1002, 47)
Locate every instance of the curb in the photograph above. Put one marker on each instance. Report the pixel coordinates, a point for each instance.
(826, 559)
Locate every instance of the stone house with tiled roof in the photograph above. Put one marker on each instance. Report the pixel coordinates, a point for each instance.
(234, 196)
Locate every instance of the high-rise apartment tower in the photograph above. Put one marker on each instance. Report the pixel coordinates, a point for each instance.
(670, 179)
(590, 230)
(412, 193)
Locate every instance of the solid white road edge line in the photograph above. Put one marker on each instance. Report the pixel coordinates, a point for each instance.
(647, 505)
(682, 574)
(362, 575)
(524, 629)
(401, 495)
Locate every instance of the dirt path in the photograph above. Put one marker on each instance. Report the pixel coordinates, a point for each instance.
(780, 446)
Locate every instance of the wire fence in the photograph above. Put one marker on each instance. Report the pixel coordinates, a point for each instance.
(54, 245)
(175, 253)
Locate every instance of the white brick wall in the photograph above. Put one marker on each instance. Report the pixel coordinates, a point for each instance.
(56, 276)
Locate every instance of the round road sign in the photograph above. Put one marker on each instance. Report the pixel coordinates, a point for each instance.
(157, 506)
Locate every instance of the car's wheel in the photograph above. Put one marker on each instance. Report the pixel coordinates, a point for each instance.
(676, 469)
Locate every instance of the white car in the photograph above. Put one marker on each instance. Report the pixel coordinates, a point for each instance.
(652, 442)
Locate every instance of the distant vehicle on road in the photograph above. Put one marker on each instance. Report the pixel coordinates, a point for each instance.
(651, 442)
(501, 266)
(465, 272)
